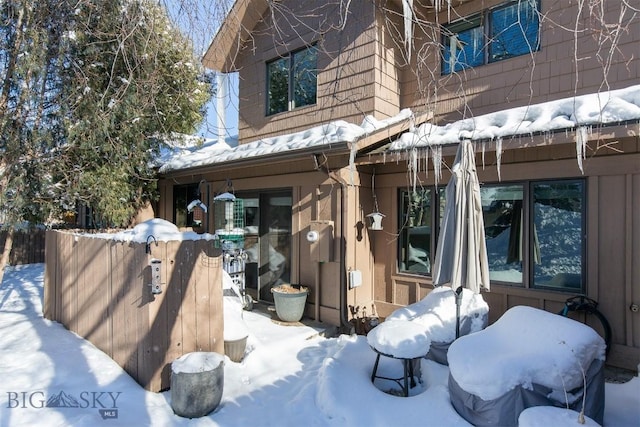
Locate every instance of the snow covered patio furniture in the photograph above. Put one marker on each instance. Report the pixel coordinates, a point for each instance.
(399, 339)
(436, 315)
(425, 329)
(529, 357)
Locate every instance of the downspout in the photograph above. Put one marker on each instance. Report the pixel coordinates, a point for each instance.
(344, 322)
(221, 95)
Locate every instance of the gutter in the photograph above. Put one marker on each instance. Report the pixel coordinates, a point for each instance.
(246, 162)
(363, 142)
(618, 129)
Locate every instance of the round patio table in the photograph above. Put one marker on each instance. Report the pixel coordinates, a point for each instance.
(403, 340)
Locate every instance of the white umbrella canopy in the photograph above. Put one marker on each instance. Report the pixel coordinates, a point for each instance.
(461, 254)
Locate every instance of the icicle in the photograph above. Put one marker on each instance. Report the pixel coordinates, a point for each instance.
(352, 160)
(581, 145)
(426, 162)
(437, 4)
(437, 162)
(483, 145)
(499, 155)
(407, 12)
(413, 165)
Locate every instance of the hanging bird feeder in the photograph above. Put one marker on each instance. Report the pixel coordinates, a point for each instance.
(229, 221)
(375, 218)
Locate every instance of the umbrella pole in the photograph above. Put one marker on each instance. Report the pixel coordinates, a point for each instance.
(458, 304)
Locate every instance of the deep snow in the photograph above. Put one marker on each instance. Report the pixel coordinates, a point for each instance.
(290, 376)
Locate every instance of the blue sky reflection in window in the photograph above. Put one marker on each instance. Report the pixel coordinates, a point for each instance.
(514, 30)
(509, 30)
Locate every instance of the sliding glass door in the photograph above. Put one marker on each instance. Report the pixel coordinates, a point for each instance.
(267, 240)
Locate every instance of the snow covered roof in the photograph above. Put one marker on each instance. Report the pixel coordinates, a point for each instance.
(601, 108)
(609, 107)
(324, 136)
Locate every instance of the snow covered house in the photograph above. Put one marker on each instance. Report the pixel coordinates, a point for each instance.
(348, 109)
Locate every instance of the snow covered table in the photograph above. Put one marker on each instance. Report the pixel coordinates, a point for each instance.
(436, 314)
(529, 357)
(399, 339)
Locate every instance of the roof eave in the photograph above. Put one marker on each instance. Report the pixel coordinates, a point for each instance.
(604, 131)
(234, 31)
(335, 149)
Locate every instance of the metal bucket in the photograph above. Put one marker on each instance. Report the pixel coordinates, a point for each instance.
(196, 394)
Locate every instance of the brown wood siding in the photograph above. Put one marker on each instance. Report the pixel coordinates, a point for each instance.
(356, 76)
(316, 197)
(99, 289)
(547, 74)
(390, 59)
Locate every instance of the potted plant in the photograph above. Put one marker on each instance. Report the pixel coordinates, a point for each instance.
(290, 301)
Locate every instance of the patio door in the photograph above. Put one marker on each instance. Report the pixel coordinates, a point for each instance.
(267, 241)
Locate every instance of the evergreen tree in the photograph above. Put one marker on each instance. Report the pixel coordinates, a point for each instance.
(89, 89)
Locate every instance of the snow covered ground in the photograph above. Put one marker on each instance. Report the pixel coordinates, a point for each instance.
(290, 376)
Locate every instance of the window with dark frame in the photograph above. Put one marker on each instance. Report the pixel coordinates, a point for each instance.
(292, 81)
(463, 44)
(534, 231)
(508, 30)
(419, 221)
(558, 224)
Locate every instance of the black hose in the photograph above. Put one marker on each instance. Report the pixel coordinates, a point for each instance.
(582, 303)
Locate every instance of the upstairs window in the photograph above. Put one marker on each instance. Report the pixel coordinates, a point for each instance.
(509, 30)
(463, 45)
(292, 81)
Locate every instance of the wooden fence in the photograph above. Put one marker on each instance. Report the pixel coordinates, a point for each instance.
(99, 288)
(27, 247)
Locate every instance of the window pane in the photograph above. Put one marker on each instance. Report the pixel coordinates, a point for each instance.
(503, 215)
(415, 232)
(304, 77)
(278, 81)
(558, 221)
(514, 30)
(463, 45)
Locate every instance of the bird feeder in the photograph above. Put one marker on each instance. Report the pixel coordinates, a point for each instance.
(375, 220)
(156, 277)
(229, 221)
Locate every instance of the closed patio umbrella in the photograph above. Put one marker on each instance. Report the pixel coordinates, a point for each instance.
(461, 254)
